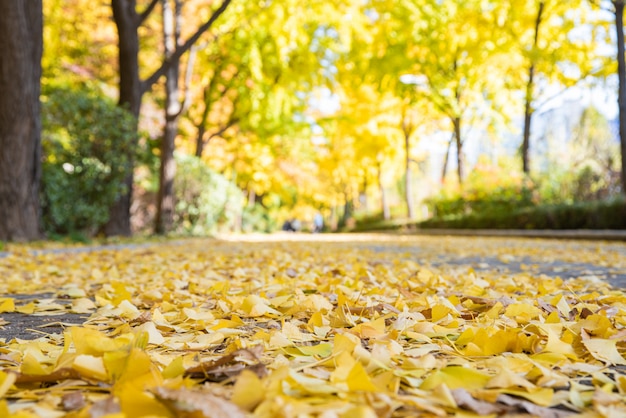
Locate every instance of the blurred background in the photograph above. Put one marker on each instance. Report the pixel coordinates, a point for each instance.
(306, 115)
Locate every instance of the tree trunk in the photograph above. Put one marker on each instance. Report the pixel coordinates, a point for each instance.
(530, 86)
(200, 134)
(383, 194)
(456, 122)
(171, 36)
(251, 198)
(21, 43)
(363, 203)
(621, 97)
(130, 95)
(408, 189)
(446, 157)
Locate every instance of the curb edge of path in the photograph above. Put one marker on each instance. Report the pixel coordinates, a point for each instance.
(583, 234)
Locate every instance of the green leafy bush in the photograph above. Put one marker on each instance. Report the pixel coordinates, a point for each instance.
(489, 189)
(88, 143)
(609, 214)
(205, 200)
(258, 219)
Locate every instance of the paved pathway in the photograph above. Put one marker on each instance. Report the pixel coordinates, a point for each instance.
(494, 255)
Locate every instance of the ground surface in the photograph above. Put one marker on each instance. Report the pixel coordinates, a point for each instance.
(411, 309)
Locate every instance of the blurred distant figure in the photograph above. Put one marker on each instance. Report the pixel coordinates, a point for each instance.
(287, 226)
(318, 223)
(292, 225)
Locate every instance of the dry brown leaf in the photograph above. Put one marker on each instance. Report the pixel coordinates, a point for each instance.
(108, 406)
(465, 400)
(531, 408)
(73, 401)
(229, 365)
(186, 403)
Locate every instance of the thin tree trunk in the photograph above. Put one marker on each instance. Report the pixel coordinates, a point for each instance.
(530, 86)
(408, 189)
(21, 43)
(456, 122)
(251, 198)
(348, 208)
(363, 194)
(621, 97)
(446, 157)
(171, 37)
(202, 125)
(383, 194)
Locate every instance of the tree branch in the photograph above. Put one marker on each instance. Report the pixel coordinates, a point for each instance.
(141, 17)
(230, 123)
(150, 81)
(188, 74)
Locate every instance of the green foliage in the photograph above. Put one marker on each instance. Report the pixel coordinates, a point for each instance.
(258, 219)
(87, 146)
(205, 200)
(488, 190)
(610, 214)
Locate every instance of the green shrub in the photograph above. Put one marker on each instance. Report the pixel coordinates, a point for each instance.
(88, 143)
(258, 219)
(609, 214)
(489, 189)
(205, 200)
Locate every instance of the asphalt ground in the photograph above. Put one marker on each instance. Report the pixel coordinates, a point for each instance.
(31, 326)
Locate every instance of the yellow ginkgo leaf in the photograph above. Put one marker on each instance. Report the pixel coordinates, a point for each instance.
(456, 377)
(604, 350)
(91, 367)
(248, 391)
(7, 305)
(6, 381)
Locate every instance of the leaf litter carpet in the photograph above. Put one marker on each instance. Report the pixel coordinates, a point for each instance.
(316, 326)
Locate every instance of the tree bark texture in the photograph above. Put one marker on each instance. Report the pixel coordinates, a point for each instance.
(21, 39)
(171, 37)
(621, 96)
(130, 94)
(530, 87)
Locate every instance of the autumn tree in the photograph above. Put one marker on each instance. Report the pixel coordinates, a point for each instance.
(132, 87)
(546, 38)
(258, 80)
(21, 42)
(443, 51)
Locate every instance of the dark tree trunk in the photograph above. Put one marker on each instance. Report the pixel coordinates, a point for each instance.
(530, 86)
(200, 135)
(171, 36)
(446, 157)
(130, 94)
(456, 122)
(21, 42)
(206, 93)
(621, 96)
